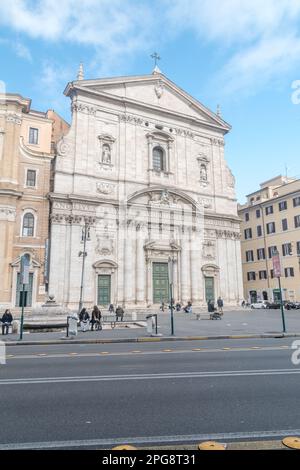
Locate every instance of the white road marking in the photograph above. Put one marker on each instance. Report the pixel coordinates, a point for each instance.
(147, 353)
(190, 438)
(161, 376)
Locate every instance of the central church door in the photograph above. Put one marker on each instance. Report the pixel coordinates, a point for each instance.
(160, 283)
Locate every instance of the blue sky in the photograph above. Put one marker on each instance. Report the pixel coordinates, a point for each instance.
(243, 55)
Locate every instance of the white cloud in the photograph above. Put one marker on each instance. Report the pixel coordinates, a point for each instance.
(111, 27)
(260, 37)
(256, 37)
(22, 51)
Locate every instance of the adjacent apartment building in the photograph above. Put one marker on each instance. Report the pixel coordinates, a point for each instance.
(27, 150)
(271, 221)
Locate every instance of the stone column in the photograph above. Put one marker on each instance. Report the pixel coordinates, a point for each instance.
(195, 268)
(185, 268)
(129, 281)
(150, 160)
(140, 266)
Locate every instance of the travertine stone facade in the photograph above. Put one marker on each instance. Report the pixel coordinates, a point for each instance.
(143, 167)
(271, 218)
(25, 159)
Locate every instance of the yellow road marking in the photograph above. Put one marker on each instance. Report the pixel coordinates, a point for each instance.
(73, 354)
(167, 350)
(226, 349)
(104, 352)
(197, 349)
(136, 351)
(256, 347)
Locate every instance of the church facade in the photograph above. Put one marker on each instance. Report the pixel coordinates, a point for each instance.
(142, 198)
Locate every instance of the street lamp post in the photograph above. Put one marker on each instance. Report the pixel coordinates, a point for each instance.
(277, 273)
(24, 278)
(171, 266)
(84, 237)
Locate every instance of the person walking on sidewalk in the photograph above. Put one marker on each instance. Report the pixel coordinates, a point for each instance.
(6, 321)
(84, 319)
(220, 305)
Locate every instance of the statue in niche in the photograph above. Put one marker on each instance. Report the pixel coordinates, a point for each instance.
(106, 154)
(203, 172)
(165, 197)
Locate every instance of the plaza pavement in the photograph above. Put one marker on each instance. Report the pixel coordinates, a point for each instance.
(256, 323)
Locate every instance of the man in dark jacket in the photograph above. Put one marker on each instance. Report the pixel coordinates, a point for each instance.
(119, 313)
(6, 321)
(220, 305)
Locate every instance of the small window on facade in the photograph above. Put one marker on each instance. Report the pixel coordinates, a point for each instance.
(297, 221)
(284, 224)
(272, 250)
(249, 256)
(251, 276)
(298, 248)
(33, 135)
(272, 273)
(269, 210)
(248, 233)
(262, 274)
(283, 206)
(158, 159)
(257, 213)
(271, 228)
(287, 249)
(28, 225)
(247, 217)
(31, 178)
(261, 253)
(289, 272)
(259, 231)
(296, 201)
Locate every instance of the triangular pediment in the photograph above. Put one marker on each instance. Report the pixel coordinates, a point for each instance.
(154, 91)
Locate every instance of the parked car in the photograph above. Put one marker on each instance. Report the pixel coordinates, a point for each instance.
(259, 304)
(273, 305)
(292, 305)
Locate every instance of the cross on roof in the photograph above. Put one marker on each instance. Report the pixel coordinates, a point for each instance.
(156, 57)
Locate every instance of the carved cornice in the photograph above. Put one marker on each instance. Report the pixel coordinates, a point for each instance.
(8, 213)
(215, 141)
(83, 108)
(103, 187)
(73, 219)
(14, 118)
(228, 234)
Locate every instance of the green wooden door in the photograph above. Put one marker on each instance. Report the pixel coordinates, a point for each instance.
(209, 289)
(160, 283)
(104, 285)
(27, 292)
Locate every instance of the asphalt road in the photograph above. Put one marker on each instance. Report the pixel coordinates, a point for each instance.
(73, 396)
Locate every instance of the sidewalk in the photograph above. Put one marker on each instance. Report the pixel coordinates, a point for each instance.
(256, 323)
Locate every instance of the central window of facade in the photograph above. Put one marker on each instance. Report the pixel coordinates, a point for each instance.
(158, 159)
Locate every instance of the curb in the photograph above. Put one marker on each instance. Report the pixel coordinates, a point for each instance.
(150, 339)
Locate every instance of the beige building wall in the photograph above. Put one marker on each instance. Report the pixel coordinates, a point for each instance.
(277, 201)
(26, 153)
